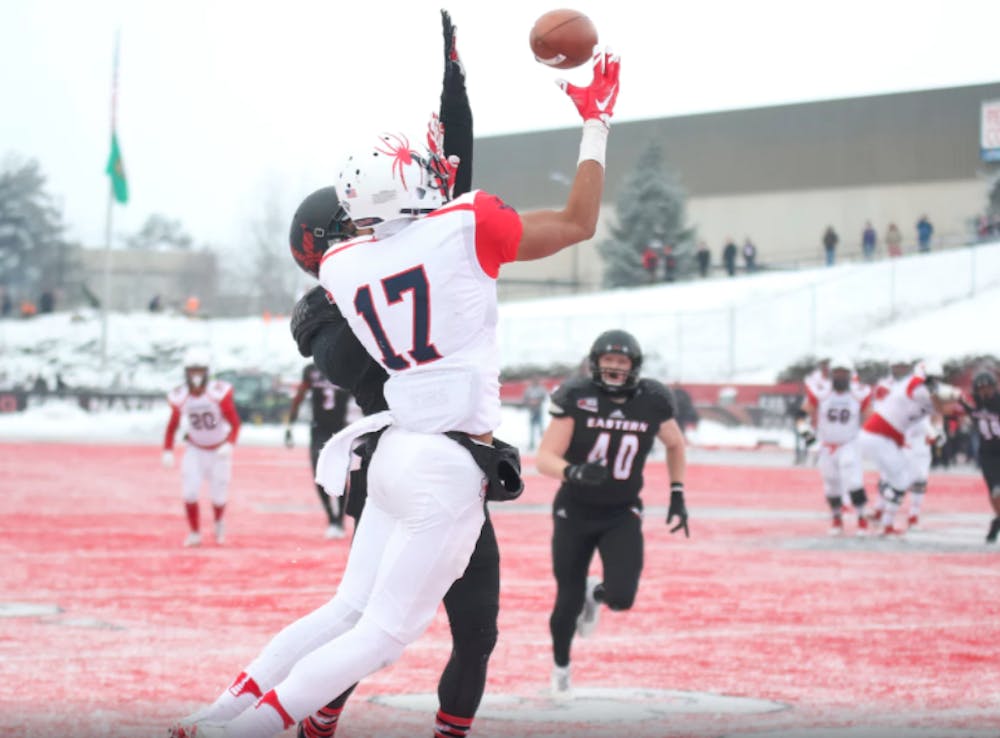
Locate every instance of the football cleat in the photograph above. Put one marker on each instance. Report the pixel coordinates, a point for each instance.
(876, 515)
(334, 532)
(862, 526)
(991, 536)
(193, 539)
(196, 730)
(890, 532)
(220, 532)
(914, 522)
(562, 690)
(837, 526)
(309, 728)
(586, 621)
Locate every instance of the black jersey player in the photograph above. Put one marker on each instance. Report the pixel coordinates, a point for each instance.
(602, 429)
(985, 413)
(329, 404)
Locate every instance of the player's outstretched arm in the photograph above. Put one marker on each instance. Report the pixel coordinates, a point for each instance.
(546, 232)
(673, 438)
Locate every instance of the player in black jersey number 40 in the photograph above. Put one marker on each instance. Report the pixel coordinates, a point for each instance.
(601, 432)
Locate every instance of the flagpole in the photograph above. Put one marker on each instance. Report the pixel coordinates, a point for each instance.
(106, 292)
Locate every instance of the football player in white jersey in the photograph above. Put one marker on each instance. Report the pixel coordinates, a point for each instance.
(907, 403)
(837, 410)
(418, 289)
(919, 439)
(211, 426)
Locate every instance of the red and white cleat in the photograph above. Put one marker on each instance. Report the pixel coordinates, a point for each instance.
(914, 522)
(862, 526)
(890, 532)
(837, 526)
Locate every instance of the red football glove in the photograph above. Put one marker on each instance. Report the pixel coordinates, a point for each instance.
(597, 101)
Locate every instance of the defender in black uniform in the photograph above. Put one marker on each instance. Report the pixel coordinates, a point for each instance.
(329, 414)
(601, 431)
(985, 413)
(320, 330)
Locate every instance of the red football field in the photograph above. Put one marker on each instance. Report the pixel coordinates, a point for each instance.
(759, 624)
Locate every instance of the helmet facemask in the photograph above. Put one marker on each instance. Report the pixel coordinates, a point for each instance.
(984, 387)
(620, 373)
(196, 377)
(840, 377)
(319, 222)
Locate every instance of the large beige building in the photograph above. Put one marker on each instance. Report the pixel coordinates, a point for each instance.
(779, 175)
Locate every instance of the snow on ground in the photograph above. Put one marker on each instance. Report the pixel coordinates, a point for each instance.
(745, 329)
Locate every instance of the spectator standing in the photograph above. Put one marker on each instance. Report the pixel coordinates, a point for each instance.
(534, 399)
(830, 240)
(669, 263)
(924, 232)
(729, 257)
(894, 240)
(704, 257)
(649, 263)
(749, 255)
(868, 240)
(6, 303)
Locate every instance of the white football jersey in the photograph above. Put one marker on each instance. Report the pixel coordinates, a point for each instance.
(906, 404)
(838, 414)
(422, 300)
(204, 423)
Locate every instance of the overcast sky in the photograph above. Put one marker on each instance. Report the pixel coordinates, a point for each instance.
(225, 105)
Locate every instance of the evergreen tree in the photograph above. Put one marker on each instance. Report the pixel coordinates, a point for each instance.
(34, 254)
(650, 210)
(160, 233)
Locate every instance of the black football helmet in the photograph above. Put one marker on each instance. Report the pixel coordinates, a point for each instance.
(984, 385)
(616, 342)
(319, 220)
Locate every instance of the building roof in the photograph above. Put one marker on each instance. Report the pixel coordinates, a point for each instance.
(929, 135)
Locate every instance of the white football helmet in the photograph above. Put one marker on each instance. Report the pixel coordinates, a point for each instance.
(932, 368)
(842, 362)
(388, 179)
(196, 357)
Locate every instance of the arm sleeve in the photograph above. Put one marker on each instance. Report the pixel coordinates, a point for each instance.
(344, 361)
(228, 408)
(456, 117)
(172, 425)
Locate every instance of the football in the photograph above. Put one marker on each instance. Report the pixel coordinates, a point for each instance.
(563, 39)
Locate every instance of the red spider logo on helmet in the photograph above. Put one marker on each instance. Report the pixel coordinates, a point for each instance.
(398, 147)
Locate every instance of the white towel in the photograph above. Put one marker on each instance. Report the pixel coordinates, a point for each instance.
(334, 461)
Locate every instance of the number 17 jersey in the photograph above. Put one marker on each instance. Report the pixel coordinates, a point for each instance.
(421, 298)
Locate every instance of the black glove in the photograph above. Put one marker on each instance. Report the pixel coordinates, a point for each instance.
(312, 312)
(289, 438)
(454, 71)
(678, 509)
(590, 474)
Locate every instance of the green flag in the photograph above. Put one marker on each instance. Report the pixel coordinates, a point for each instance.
(116, 170)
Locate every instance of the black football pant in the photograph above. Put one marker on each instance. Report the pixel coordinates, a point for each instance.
(317, 439)
(472, 604)
(616, 533)
(990, 465)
